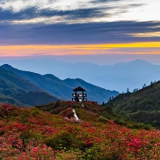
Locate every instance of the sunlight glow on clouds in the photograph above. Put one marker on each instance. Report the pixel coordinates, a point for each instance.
(45, 20)
(149, 34)
(57, 20)
(33, 50)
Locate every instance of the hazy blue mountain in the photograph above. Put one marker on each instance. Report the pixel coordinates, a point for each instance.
(113, 77)
(92, 90)
(16, 90)
(63, 88)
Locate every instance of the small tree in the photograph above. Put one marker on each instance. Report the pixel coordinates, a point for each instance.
(128, 90)
(110, 99)
(144, 86)
(135, 90)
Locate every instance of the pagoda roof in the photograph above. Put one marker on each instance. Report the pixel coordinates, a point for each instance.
(80, 89)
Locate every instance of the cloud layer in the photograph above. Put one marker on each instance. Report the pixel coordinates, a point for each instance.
(88, 33)
(59, 22)
(78, 11)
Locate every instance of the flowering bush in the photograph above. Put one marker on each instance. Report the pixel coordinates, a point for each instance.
(29, 133)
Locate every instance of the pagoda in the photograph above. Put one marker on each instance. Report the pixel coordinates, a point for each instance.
(79, 95)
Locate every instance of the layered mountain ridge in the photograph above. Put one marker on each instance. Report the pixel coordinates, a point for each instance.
(16, 90)
(51, 87)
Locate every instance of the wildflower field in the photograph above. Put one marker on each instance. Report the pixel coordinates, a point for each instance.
(32, 134)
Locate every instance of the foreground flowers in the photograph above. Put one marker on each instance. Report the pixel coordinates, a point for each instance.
(28, 133)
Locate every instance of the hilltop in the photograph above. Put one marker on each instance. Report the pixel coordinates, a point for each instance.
(86, 111)
(142, 105)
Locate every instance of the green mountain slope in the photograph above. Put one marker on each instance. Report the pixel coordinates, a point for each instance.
(7, 99)
(16, 90)
(63, 88)
(49, 83)
(141, 106)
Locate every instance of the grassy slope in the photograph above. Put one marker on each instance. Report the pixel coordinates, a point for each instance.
(89, 112)
(142, 106)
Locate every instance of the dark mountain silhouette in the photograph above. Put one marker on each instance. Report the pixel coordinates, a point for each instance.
(16, 90)
(141, 106)
(49, 83)
(63, 88)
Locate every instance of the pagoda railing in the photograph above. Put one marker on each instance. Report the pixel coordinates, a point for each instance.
(79, 95)
(80, 100)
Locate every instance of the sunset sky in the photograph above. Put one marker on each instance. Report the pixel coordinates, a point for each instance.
(71, 27)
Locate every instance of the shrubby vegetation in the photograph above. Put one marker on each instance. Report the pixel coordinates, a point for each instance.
(140, 106)
(29, 133)
(90, 111)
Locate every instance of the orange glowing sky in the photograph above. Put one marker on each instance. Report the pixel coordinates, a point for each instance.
(34, 50)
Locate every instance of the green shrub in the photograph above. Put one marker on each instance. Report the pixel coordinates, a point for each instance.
(139, 126)
(119, 120)
(35, 112)
(61, 140)
(103, 119)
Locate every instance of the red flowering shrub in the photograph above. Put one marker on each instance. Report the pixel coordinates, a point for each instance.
(8, 110)
(67, 113)
(29, 133)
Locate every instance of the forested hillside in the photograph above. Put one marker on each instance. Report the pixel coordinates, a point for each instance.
(141, 106)
(16, 90)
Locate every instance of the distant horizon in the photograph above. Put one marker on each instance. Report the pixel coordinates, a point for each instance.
(99, 59)
(120, 76)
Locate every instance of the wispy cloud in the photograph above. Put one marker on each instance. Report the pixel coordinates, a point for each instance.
(87, 11)
(85, 33)
(149, 34)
